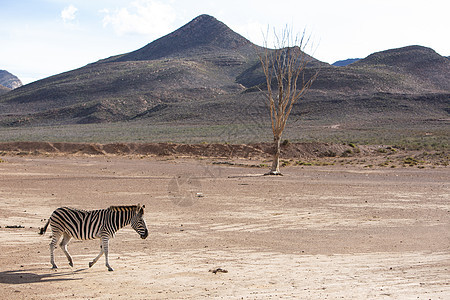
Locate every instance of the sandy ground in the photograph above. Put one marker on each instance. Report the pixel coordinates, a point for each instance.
(329, 232)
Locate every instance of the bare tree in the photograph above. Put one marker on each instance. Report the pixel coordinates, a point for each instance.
(284, 69)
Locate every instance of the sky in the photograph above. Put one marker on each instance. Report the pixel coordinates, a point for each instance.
(40, 38)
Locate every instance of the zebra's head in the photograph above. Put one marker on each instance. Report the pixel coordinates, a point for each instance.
(138, 222)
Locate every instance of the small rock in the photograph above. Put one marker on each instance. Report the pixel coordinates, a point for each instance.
(218, 270)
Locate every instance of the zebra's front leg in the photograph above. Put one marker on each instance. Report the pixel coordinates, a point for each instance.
(105, 250)
(65, 240)
(55, 239)
(98, 256)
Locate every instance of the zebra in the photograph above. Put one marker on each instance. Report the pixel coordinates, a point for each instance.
(86, 225)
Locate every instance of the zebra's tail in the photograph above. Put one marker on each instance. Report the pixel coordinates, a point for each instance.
(44, 229)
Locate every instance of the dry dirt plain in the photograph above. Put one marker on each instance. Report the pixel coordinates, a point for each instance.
(330, 232)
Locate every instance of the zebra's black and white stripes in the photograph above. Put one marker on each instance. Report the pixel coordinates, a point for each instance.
(86, 225)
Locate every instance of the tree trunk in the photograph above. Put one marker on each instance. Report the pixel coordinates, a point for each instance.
(275, 170)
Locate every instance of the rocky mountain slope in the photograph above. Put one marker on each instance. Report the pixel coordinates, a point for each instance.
(9, 81)
(420, 64)
(4, 89)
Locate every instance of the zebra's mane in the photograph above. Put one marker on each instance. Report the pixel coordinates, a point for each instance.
(124, 208)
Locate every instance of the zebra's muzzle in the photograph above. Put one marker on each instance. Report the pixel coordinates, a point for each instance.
(145, 235)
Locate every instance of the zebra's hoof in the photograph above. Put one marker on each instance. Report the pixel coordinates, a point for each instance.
(91, 264)
(71, 264)
(54, 267)
(110, 269)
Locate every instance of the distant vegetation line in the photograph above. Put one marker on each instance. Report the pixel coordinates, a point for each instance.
(139, 132)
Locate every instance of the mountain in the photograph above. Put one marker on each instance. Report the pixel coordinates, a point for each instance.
(408, 70)
(202, 37)
(422, 65)
(140, 82)
(205, 74)
(8, 80)
(345, 62)
(4, 89)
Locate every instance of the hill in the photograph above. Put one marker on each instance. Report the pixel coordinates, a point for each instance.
(4, 89)
(345, 62)
(139, 83)
(199, 83)
(429, 70)
(204, 37)
(9, 80)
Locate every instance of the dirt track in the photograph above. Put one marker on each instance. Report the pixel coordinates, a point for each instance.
(317, 233)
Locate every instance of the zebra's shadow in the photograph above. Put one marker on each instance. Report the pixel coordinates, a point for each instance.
(34, 276)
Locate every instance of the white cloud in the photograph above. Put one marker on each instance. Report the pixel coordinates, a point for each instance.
(145, 17)
(68, 14)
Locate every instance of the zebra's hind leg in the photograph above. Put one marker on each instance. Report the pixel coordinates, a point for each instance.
(98, 256)
(65, 240)
(105, 241)
(55, 239)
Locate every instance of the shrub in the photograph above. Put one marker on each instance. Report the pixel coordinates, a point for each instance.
(302, 163)
(285, 163)
(328, 153)
(314, 163)
(385, 164)
(411, 161)
(347, 153)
